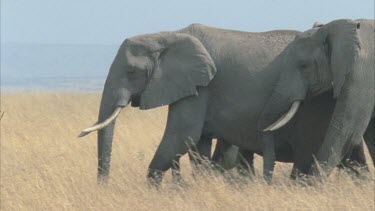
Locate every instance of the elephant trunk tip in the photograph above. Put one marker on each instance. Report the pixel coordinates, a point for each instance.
(102, 180)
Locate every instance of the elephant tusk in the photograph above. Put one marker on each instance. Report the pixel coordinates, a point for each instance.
(102, 125)
(285, 118)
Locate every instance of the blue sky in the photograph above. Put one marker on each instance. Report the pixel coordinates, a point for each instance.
(109, 22)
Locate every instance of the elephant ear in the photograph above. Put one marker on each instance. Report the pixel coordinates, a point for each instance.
(344, 45)
(183, 65)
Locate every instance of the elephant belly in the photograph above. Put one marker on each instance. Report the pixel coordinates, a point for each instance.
(233, 113)
(239, 129)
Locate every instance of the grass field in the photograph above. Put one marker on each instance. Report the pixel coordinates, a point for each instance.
(44, 166)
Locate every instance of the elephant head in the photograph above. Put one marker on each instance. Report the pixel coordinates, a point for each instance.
(323, 58)
(149, 71)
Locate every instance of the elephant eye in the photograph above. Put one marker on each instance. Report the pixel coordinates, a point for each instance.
(303, 66)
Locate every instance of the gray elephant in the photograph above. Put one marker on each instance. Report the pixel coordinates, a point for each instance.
(296, 142)
(337, 56)
(212, 79)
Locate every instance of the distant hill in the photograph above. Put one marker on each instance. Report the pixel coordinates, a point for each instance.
(48, 66)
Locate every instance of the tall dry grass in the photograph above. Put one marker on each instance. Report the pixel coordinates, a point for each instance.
(44, 166)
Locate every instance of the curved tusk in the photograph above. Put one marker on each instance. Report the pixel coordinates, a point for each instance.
(285, 118)
(102, 125)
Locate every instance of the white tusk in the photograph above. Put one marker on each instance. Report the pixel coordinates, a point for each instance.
(285, 118)
(102, 125)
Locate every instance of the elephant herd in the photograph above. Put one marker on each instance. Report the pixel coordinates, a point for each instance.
(301, 97)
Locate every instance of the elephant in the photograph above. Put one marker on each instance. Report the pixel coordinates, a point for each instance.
(216, 83)
(296, 143)
(337, 56)
(212, 79)
(305, 142)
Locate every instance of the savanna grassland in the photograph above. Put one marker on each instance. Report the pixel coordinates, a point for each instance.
(44, 166)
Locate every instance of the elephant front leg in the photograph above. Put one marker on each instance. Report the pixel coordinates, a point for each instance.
(176, 172)
(172, 147)
(183, 131)
(355, 162)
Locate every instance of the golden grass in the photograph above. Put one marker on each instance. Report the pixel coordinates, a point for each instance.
(44, 166)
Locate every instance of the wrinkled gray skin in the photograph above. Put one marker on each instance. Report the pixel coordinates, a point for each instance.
(338, 56)
(298, 141)
(213, 80)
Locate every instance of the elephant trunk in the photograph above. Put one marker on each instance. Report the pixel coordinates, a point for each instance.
(114, 98)
(113, 101)
(287, 94)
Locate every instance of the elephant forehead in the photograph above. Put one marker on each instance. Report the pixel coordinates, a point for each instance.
(308, 33)
(306, 44)
(146, 42)
(138, 61)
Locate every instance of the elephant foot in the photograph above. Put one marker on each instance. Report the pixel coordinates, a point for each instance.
(318, 172)
(301, 178)
(299, 173)
(102, 180)
(177, 179)
(154, 178)
(357, 174)
(181, 183)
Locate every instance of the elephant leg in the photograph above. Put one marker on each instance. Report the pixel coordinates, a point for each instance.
(202, 150)
(176, 171)
(225, 156)
(296, 172)
(219, 149)
(370, 139)
(217, 155)
(303, 159)
(355, 161)
(183, 131)
(246, 164)
(300, 169)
